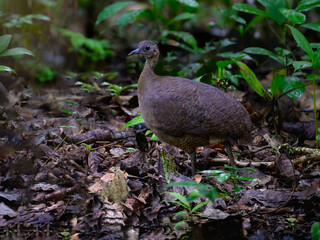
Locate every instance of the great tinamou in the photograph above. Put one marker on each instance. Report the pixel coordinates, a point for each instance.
(186, 113)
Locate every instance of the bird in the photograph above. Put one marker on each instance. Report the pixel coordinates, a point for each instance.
(186, 113)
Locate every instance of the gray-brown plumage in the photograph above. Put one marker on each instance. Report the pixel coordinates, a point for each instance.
(188, 114)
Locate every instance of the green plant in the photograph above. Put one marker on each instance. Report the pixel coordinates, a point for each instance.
(315, 231)
(205, 190)
(17, 21)
(87, 145)
(4, 43)
(85, 86)
(88, 48)
(116, 89)
(156, 19)
(232, 174)
(137, 120)
(66, 235)
(46, 74)
(287, 18)
(292, 222)
(186, 202)
(63, 110)
(67, 134)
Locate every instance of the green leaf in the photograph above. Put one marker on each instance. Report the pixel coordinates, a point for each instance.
(223, 177)
(190, 3)
(134, 121)
(181, 17)
(16, 52)
(276, 84)
(249, 9)
(40, 17)
(237, 188)
(185, 36)
(199, 205)
(181, 198)
(273, 9)
(315, 230)
(252, 80)
(282, 51)
(306, 5)
(259, 51)
(153, 137)
(4, 41)
(181, 213)
(244, 178)
(301, 65)
(111, 9)
(129, 17)
(6, 69)
(293, 16)
(313, 26)
(157, 4)
(302, 41)
(291, 82)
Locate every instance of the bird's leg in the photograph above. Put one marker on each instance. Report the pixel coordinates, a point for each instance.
(192, 157)
(227, 146)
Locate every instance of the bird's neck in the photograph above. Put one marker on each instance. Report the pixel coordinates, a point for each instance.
(149, 66)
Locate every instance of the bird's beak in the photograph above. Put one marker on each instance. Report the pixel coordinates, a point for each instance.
(136, 51)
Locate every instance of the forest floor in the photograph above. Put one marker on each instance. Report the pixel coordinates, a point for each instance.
(69, 171)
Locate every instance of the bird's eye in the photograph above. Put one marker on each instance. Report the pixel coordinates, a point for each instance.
(147, 48)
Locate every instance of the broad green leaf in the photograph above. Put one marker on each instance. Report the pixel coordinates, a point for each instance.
(153, 137)
(249, 9)
(302, 41)
(134, 121)
(290, 82)
(40, 17)
(315, 229)
(223, 177)
(16, 52)
(276, 84)
(306, 5)
(233, 55)
(129, 17)
(181, 198)
(273, 7)
(180, 224)
(190, 3)
(259, 51)
(199, 205)
(252, 80)
(181, 17)
(282, 51)
(181, 213)
(293, 16)
(313, 26)
(6, 69)
(185, 36)
(315, 45)
(4, 41)
(301, 65)
(179, 203)
(212, 171)
(157, 4)
(244, 178)
(111, 9)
